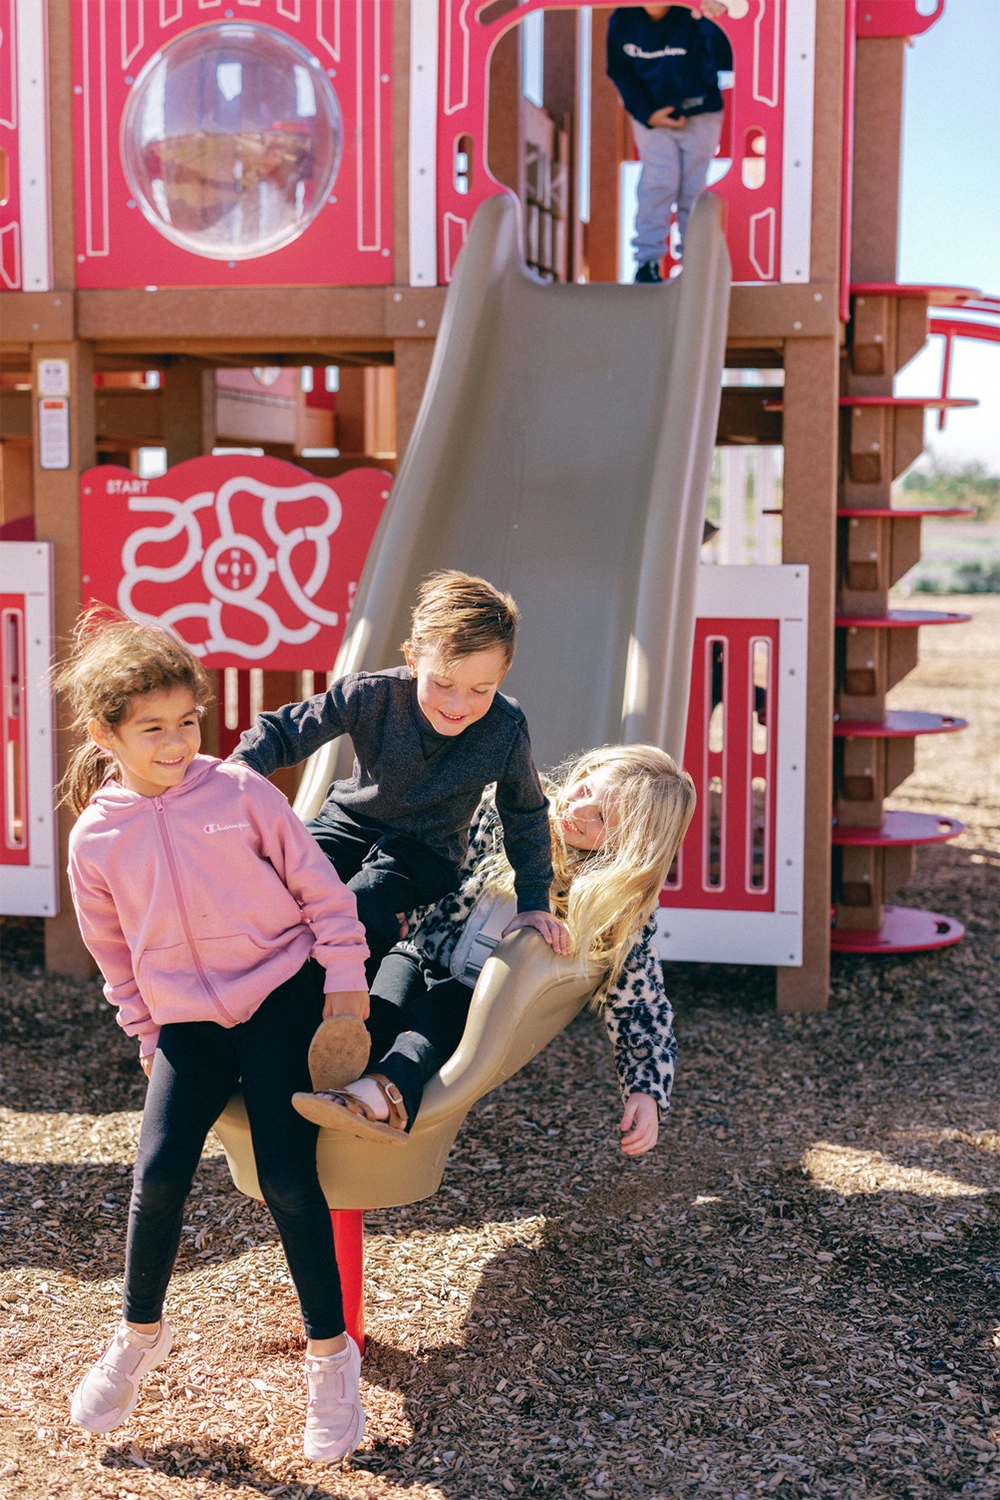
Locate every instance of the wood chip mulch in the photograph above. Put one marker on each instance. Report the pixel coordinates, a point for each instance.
(796, 1294)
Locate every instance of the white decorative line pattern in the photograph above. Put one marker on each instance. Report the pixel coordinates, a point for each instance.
(235, 568)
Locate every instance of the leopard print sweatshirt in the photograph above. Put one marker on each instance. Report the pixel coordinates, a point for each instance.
(637, 1013)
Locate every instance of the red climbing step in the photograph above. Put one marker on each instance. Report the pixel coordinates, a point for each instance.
(905, 929)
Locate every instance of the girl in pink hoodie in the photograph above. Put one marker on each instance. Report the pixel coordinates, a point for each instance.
(224, 936)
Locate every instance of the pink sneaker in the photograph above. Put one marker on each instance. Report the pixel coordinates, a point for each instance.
(107, 1394)
(335, 1421)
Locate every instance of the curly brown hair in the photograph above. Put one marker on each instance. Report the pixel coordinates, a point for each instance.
(113, 661)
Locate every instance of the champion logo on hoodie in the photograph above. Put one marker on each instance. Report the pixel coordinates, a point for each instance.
(631, 50)
(223, 827)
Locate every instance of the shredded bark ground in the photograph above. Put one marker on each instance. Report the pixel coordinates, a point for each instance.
(795, 1294)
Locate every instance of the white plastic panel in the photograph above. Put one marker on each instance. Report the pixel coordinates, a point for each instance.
(423, 142)
(711, 935)
(797, 146)
(33, 146)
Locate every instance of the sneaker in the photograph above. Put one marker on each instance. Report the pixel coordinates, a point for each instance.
(107, 1394)
(648, 271)
(335, 1422)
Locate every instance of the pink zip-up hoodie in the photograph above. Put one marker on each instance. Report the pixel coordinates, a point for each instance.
(198, 903)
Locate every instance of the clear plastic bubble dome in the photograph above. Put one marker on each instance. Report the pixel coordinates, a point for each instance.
(231, 139)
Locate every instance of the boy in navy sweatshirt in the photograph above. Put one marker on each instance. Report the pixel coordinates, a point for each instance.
(428, 738)
(665, 62)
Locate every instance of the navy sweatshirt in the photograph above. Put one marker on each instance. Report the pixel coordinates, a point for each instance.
(675, 61)
(409, 779)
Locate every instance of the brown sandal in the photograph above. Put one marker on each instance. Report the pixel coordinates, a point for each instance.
(339, 1052)
(339, 1109)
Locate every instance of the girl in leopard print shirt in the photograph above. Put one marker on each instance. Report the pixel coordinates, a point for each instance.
(618, 816)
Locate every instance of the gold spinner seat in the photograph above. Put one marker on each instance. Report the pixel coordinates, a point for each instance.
(524, 997)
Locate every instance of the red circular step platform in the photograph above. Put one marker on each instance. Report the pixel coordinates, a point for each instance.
(898, 512)
(901, 828)
(904, 619)
(937, 403)
(898, 724)
(937, 295)
(929, 403)
(905, 929)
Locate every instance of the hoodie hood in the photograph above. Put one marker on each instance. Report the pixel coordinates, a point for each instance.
(114, 798)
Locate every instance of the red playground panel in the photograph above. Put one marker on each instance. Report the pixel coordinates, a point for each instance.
(905, 929)
(261, 163)
(727, 860)
(764, 165)
(14, 846)
(253, 561)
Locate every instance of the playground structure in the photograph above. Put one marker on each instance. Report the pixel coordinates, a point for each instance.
(159, 315)
(164, 317)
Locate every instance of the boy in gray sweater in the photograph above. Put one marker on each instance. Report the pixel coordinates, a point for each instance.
(428, 738)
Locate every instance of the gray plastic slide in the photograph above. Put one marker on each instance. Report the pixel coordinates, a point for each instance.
(562, 450)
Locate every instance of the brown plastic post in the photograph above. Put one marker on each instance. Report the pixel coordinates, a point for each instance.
(15, 480)
(810, 434)
(379, 382)
(188, 410)
(412, 358)
(351, 411)
(503, 129)
(878, 133)
(809, 536)
(57, 520)
(609, 144)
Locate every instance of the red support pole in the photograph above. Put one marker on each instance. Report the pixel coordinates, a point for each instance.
(945, 377)
(348, 1240)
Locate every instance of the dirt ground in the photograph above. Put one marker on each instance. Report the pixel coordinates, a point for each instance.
(796, 1294)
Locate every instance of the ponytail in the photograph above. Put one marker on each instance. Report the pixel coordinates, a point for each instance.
(89, 768)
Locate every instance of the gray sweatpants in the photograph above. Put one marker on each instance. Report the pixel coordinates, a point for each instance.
(674, 168)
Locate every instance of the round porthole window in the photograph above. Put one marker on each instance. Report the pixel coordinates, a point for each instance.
(231, 139)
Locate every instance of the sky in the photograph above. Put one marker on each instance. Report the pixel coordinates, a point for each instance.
(950, 209)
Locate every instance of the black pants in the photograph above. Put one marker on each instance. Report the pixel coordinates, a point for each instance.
(196, 1067)
(414, 1029)
(388, 873)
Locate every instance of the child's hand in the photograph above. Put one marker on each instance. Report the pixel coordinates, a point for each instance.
(146, 1064)
(665, 116)
(346, 1003)
(552, 930)
(640, 1124)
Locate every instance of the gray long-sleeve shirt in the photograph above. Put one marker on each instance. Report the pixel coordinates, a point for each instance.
(409, 779)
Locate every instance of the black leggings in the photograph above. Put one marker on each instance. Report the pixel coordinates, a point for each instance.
(414, 1029)
(196, 1067)
(388, 873)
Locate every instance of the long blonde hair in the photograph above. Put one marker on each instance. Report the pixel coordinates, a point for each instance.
(605, 897)
(113, 661)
